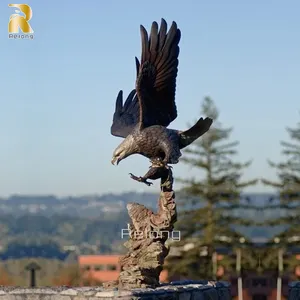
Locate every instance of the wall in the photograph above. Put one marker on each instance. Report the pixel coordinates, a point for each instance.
(178, 290)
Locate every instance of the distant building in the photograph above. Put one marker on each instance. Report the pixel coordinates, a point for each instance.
(104, 268)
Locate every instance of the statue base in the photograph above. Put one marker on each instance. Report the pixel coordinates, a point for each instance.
(148, 232)
(196, 290)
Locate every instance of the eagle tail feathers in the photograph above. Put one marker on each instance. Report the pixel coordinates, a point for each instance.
(189, 136)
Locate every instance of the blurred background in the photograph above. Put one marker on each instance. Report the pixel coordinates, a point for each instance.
(63, 205)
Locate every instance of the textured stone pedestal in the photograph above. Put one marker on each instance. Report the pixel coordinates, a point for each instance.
(294, 290)
(148, 232)
(184, 290)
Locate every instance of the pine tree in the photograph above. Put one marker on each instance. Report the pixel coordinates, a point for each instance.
(210, 208)
(288, 191)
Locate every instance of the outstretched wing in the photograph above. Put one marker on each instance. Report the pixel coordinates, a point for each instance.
(126, 116)
(156, 75)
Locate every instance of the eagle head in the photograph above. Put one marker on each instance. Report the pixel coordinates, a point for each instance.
(125, 149)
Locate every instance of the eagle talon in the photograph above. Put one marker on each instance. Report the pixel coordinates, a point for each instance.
(140, 179)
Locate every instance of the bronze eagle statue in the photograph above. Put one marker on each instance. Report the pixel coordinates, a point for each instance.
(143, 119)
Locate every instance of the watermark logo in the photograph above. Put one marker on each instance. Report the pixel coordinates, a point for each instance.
(18, 22)
(174, 235)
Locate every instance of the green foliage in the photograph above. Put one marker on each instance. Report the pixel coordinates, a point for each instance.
(64, 230)
(288, 172)
(209, 202)
(288, 188)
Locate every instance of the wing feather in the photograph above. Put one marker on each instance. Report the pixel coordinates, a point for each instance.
(137, 64)
(125, 116)
(144, 35)
(153, 39)
(156, 75)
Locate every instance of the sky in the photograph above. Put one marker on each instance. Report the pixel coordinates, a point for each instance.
(58, 91)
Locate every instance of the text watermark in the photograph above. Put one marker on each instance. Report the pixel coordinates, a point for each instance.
(174, 235)
(18, 22)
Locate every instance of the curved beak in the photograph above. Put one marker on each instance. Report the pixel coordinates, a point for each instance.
(115, 160)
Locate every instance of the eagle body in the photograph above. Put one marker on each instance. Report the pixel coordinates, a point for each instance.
(156, 143)
(150, 108)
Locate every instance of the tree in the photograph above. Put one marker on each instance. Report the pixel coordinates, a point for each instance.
(211, 205)
(288, 192)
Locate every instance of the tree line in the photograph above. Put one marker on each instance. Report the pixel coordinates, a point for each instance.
(213, 202)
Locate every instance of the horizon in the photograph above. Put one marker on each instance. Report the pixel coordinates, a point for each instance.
(58, 90)
(110, 193)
